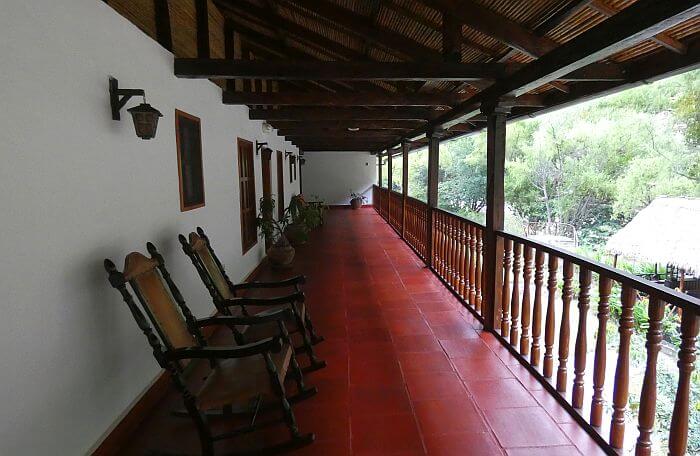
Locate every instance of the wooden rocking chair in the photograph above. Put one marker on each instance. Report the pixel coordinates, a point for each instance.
(224, 294)
(243, 379)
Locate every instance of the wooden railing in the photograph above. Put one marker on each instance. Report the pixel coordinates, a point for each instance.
(383, 202)
(416, 229)
(545, 302)
(536, 299)
(457, 255)
(396, 210)
(375, 197)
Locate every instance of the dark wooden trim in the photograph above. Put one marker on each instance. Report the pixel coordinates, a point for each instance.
(404, 185)
(163, 33)
(300, 125)
(342, 99)
(433, 178)
(229, 49)
(202, 8)
(299, 70)
(319, 113)
(178, 115)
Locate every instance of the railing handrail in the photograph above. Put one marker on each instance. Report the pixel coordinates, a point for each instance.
(666, 294)
(416, 200)
(396, 193)
(475, 223)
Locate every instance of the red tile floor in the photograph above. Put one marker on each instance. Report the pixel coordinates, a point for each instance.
(410, 372)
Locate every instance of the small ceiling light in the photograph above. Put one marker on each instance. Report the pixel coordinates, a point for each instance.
(353, 129)
(302, 161)
(288, 154)
(144, 115)
(266, 127)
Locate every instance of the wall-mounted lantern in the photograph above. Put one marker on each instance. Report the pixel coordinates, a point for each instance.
(302, 161)
(145, 116)
(266, 151)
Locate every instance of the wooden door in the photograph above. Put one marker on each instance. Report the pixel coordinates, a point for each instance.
(280, 185)
(246, 179)
(266, 182)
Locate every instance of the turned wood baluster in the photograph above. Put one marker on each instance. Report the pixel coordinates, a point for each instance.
(479, 262)
(584, 282)
(467, 255)
(438, 247)
(515, 298)
(537, 309)
(565, 328)
(472, 266)
(443, 246)
(678, 438)
(453, 252)
(604, 290)
(527, 277)
(647, 403)
(462, 256)
(505, 295)
(447, 273)
(549, 325)
(622, 370)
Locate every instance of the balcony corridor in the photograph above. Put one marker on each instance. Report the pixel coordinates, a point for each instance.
(410, 371)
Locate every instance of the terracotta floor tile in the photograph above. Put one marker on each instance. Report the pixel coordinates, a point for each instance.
(444, 317)
(523, 427)
(526, 378)
(500, 393)
(378, 400)
(385, 433)
(436, 385)
(461, 330)
(566, 450)
(581, 439)
(448, 416)
(375, 373)
(552, 406)
(324, 448)
(425, 362)
(417, 327)
(463, 444)
(416, 344)
(481, 368)
(466, 348)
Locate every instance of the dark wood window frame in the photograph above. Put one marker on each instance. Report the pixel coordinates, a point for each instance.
(246, 189)
(183, 149)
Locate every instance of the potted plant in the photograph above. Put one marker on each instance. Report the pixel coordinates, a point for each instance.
(280, 253)
(356, 200)
(303, 217)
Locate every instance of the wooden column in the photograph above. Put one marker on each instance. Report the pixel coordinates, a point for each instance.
(379, 172)
(389, 178)
(163, 33)
(495, 203)
(202, 12)
(404, 184)
(433, 170)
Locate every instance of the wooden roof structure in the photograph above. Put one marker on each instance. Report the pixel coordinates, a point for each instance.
(364, 75)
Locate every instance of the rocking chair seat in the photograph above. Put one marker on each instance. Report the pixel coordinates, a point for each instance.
(236, 381)
(263, 331)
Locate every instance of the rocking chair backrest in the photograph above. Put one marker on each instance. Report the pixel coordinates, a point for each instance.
(213, 268)
(147, 282)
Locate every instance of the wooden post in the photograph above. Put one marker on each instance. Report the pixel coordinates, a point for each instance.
(404, 185)
(202, 13)
(379, 170)
(433, 169)
(495, 204)
(389, 181)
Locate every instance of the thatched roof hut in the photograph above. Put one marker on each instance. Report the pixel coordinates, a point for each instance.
(667, 231)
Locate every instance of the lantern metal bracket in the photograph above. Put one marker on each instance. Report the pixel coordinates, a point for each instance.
(288, 154)
(119, 97)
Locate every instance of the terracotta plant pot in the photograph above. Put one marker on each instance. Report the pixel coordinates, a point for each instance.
(281, 256)
(356, 203)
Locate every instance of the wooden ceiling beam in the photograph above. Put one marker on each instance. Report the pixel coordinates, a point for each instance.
(363, 27)
(336, 149)
(343, 133)
(341, 99)
(352, 114)
(634, 24)
(344, 124)
(660, 38)
(343, 71)
(480, 74)
(495, 25)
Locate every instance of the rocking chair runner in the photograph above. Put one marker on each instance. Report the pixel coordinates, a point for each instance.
(242, 378)
(224, 295)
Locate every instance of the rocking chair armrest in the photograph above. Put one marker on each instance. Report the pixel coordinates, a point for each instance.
(276, 301)
(298, 280)
(228, 320)
(271, 344)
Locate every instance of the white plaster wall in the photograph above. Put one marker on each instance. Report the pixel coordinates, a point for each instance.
(77, 187)
(333, 175)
